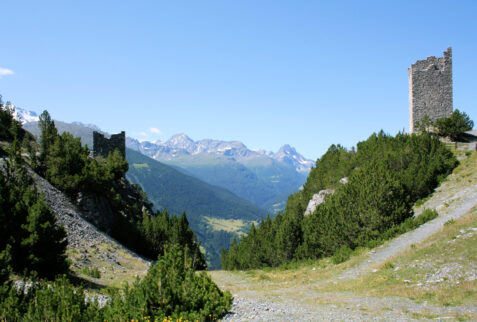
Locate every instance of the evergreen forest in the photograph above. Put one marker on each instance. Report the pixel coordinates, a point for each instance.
(385, 175)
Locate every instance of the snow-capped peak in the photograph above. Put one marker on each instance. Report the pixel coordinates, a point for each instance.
(289, 155)
(23, 115)
(181, 141)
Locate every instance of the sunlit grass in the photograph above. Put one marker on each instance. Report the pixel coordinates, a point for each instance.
(238, 226)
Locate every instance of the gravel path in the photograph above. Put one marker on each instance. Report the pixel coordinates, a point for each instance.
(468, 200)
(353, 308)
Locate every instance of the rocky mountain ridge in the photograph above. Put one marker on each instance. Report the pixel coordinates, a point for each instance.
(181, 145)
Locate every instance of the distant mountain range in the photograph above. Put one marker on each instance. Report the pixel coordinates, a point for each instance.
(262, 177)
(181, 145)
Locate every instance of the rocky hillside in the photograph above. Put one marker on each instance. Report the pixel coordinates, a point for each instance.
(88, 247)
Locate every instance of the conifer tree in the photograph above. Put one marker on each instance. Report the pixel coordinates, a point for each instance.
(48, 135)
(454, 125)
(31, 238)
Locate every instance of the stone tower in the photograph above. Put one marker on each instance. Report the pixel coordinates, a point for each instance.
(430, 89)
(103, 146)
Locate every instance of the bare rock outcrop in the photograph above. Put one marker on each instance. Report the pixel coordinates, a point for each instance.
(96, 210)
(317, 199)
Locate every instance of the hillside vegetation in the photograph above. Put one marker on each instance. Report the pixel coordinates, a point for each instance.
(34, 245)
(386, 176)
(432, 278)
(168, 188)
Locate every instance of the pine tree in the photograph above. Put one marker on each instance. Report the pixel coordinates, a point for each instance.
(48, 135)
(45, 242)
(455, 125)
(31, 239)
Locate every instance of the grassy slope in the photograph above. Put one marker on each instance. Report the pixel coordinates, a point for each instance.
(440, 270)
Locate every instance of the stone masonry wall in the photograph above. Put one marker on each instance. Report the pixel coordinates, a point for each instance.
(103, 146)
(430, 88)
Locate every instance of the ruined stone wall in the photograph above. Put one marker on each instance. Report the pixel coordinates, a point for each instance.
(430, 89)
(103, 146)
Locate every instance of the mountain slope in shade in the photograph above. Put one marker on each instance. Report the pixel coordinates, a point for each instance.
(171, 189)
(262, 177)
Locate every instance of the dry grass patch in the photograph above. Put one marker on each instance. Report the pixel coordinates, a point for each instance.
(115, 265)
(230, 225)
(304, 274)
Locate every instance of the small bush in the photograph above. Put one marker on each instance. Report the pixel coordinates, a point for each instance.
(389, 265)
(91, 271)
(41, 301)
(421, 201)
(449, 222)
(341, 255)
(425, 216)
(171, 288)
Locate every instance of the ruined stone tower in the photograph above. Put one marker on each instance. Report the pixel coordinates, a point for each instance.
(430, 89)
(103, 146)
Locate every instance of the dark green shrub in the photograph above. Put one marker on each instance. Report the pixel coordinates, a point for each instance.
(41, 301)
(449, 222)
(455, 125)
(389, 265)
(171, 288)
(91, 271)
(341, 255)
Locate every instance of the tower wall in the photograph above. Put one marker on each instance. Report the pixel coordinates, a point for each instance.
(430, 89)
(103, 146)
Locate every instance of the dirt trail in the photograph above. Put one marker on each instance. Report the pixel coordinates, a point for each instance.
(453, 199)
(458, 204)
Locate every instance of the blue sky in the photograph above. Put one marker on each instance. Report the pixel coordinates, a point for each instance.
(306, 73)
